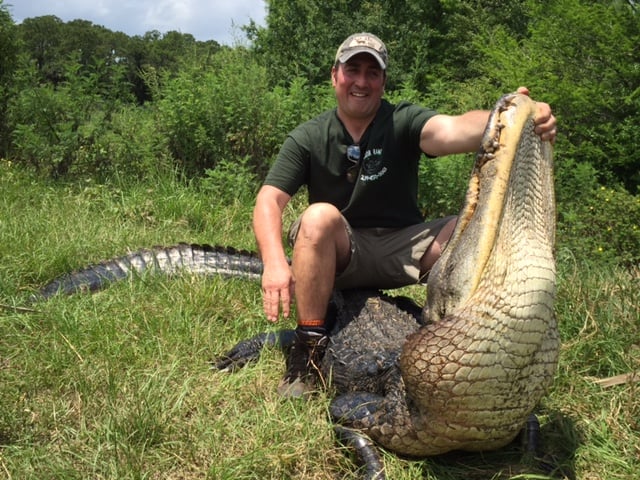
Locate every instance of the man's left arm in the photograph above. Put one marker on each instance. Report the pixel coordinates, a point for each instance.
(450, 134)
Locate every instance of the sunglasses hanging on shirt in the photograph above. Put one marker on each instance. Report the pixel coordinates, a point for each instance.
(353, 155)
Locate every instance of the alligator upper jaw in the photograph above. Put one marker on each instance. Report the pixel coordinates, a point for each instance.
(456, 276)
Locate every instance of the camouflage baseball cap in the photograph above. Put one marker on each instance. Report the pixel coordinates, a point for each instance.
(363, 43)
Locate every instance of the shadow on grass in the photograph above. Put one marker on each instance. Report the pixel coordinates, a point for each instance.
(554, 458)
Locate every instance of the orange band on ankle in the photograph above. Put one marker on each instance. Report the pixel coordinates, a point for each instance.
(311, 323)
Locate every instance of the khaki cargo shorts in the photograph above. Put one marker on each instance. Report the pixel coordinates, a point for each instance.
(384, 257)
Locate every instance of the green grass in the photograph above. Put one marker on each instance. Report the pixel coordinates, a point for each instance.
(116, 384)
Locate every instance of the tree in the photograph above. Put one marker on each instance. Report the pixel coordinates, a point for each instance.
(9, 49)
(428, 39)
(42, 38)
(583, 58)
(149, 57)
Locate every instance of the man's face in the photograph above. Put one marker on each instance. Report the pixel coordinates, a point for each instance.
(359, 86)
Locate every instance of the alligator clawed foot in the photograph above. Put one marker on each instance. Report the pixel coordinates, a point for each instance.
(367, 454)
(248, 351)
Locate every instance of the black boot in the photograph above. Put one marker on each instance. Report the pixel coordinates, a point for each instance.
(303, 363)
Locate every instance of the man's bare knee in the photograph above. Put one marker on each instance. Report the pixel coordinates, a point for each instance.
(319, 220)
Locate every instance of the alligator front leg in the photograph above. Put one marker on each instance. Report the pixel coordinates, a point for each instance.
(248, 351)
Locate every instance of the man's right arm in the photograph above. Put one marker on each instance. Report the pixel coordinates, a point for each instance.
(277, 279)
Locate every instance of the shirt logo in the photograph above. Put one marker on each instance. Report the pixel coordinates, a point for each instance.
(372, 167)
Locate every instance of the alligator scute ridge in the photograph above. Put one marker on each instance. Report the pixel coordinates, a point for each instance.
(202, 259)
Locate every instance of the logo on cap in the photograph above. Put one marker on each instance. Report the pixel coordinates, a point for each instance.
(363, 43)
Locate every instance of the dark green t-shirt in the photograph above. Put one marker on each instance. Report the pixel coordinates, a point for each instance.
(385, 193)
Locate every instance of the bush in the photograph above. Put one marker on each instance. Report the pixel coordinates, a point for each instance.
(126, 143)
(72, 130)
(231, 182)
(227, 112)
(45, 125)
(603, 225)
(217, 113)
(443, 185)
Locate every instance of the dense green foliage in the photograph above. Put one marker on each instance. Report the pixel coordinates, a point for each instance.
(81, 101)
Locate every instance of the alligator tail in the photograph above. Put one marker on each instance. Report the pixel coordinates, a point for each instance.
(183, 257)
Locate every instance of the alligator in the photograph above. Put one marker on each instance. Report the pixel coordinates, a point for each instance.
(466, 371)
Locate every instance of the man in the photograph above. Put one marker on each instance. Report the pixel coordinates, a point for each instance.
(363, 227)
